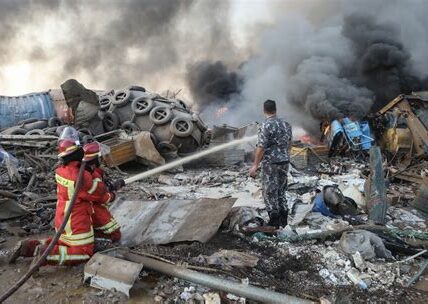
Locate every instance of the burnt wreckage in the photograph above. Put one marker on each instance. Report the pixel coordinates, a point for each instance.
(174, 129)
(400, 128)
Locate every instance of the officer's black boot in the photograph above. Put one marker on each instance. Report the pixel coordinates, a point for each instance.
(273, 219)
(283, 216)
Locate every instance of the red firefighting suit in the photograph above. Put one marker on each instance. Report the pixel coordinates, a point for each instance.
(105, 225)
(76, 244)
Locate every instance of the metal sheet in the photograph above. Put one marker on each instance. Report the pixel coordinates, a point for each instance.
(375, 191)
(15, 109)
(9, 208)
(107, 272)
(167, 221)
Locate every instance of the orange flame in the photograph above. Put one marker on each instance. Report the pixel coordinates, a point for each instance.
(221, 111)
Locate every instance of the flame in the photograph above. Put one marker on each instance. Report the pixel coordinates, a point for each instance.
(221, 111)
(307, 139)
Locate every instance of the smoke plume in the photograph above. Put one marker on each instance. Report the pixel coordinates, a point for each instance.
(317, 58)
(111, 44)
(323, 59)
(212, 82)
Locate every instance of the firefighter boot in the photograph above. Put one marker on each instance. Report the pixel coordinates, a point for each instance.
(24, 248)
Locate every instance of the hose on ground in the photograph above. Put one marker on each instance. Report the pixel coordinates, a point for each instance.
(55, 239)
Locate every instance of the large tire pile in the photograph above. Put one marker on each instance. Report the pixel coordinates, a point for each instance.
(175, 129)
(52, 126)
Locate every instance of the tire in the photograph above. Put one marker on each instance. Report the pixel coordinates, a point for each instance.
(50, 131)
(166, 147)
(35, 132)
(105, 102)
(130, 127)
(54, 122)
(110, 121)
(85, 131)
(121, 98)
(181, 126)
(17, 131)
(160, 115)
(87, 139)
(142, 105)
(101, 114)
(136, 88)
(39, 124)
(26, 121)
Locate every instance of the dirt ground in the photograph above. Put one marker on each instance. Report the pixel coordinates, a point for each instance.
(276, 269)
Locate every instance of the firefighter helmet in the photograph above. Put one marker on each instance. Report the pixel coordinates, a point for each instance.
(92, 151)
(66, 147)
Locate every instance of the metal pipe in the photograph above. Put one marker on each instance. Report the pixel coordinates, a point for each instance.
(418, 274)
(243, 290)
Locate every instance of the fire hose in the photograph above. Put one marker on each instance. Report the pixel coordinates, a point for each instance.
(53, 242)
(129, 180)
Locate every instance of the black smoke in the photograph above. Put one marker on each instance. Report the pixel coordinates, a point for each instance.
(212, 82)
(112, 43)
(383, 63)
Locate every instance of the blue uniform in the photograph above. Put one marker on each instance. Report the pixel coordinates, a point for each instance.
(274, 137)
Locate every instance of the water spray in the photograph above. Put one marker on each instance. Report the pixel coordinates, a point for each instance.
(188, 159)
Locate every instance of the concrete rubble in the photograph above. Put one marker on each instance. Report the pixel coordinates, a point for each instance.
(209, 217)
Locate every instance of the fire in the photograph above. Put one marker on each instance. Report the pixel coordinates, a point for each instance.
(221, 111)
(307, 139)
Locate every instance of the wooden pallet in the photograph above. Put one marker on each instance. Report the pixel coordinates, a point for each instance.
(121, 151)
(302, 157)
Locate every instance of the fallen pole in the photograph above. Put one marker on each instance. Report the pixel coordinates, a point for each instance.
(188, 159)
(418, 274)
(239, 289)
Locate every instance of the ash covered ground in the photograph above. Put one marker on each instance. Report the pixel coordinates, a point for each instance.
(312, 269)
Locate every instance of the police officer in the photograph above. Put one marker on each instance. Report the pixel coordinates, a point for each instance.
(273, 153)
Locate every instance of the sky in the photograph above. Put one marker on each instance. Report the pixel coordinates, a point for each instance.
(20, 76)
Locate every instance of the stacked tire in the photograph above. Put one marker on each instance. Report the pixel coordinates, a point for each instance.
(174, 128)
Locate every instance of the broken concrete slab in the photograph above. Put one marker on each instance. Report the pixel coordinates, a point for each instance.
(172, 220)
(226, 258)
(108, 272)
(145, 149)
(9, 208)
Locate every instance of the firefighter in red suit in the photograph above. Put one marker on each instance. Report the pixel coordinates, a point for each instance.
(105, 226)
(76, 243)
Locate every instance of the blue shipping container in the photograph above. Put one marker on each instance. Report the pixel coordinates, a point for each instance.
(15, 109)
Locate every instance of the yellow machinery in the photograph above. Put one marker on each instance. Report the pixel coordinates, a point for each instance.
(403, 127)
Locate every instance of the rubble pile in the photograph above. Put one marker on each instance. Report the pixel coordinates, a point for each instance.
(353, 235)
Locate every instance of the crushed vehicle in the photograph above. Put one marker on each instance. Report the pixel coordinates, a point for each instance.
(348, 135)
(402, 127)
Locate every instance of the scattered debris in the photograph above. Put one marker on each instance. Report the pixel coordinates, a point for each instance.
(366, 243)
(208, 217)
(107, 272)
(166, 221)
(227, 258)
